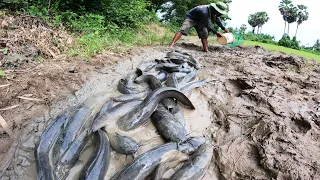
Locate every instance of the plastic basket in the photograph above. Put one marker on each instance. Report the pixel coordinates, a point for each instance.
(238, 40)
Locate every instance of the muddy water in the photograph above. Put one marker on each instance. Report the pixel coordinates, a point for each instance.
(146, 135)
(197, 122)
(261, 110)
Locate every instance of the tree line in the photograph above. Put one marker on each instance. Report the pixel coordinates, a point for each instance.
(123, 13)
(290, 14)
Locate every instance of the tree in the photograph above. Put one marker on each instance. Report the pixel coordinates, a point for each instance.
(302, 15)
(175, 10)
(258, 19)
(243, 28)
(284, 9)
(262, 18)
(292, 15)
(253, 21)
(317, 44)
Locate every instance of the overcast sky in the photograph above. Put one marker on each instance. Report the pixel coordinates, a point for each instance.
(308, 31)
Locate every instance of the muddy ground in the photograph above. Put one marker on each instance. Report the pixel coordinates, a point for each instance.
(261, 109)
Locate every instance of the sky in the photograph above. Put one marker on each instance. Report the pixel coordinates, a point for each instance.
(308, 32)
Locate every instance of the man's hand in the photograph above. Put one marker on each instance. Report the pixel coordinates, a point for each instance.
(219, 34)
(226, 30)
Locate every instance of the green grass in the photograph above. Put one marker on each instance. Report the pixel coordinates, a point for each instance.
(95, 43)
(286, 50)
(2, 74)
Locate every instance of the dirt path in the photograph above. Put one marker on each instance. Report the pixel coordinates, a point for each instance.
(261, 109)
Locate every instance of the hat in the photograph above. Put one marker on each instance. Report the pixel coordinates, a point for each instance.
(220, 7)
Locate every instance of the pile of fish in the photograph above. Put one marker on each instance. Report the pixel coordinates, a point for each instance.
(155, 90)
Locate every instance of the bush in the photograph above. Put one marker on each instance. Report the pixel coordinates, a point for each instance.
(287, 42)
(128, 13)
(87, 23)
(264, 38)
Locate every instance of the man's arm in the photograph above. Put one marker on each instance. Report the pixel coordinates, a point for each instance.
(219, 23)
(208, 25)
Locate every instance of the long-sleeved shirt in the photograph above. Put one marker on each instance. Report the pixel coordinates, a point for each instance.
(201, 14)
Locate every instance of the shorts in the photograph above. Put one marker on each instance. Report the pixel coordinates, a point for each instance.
(200, 28)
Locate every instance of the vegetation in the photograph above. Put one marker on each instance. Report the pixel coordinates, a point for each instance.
(291, 13)
(175, 10)
(286, 50)
(101, 24)
(303, 15)
(98, 24)
(258, 19)
(290, 43)
(2, 74)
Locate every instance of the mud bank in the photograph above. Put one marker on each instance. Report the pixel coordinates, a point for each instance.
(261, 110)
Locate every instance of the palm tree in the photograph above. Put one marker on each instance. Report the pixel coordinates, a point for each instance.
(316, 44)
(253, 21)
(262, 19)
(284, 10)
(292, 15)
(303, 15)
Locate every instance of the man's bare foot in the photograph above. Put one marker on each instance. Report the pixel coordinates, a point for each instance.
(171, 46)
(205, 50)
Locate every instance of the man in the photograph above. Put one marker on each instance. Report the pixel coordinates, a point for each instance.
(199, 17)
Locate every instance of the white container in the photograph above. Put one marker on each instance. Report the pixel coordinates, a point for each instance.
(227, 38)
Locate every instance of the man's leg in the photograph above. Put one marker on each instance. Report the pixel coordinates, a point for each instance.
(205, 45)
(184, 30)
(203, 35)
(177, 36)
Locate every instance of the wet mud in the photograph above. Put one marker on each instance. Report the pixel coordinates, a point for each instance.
(260, 109)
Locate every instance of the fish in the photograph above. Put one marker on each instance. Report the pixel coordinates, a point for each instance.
(146, 163)
(173, 69)
(140, 114)
(167, 126)
(130, 97)
(43, 152)
(176, 55)
(123, 144)
(146, 66)
(98, 163)
(114, 114)
(188, 78)
(143, 165)
(197, 166)
(164, 166)
(153, 82)
(127, 86)
(70, 157)
(106, 106)
(172, 81)
(190, 86)
(192, 144)
(76, 123)
(181, 75)
(162, 76)
(178, 115)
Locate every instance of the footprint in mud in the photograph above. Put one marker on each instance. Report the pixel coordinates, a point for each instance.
(242, 84)
(283, 62)
(236, 86)
(301, 124)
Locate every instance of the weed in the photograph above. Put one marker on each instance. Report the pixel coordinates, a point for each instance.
(4, 51)
(2, 74)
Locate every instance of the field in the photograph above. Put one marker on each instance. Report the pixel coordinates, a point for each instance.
(273, 47)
